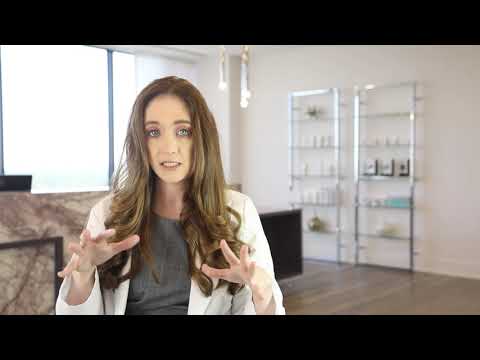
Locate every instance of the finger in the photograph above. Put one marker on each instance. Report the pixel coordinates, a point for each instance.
(82, 238)
(69, 268)
(87, 236)
(215, 273)
(251, 269)
(228, 253)
(62, 273)
(104, 235)
(126, 244)
(76, 248)
(244, 258)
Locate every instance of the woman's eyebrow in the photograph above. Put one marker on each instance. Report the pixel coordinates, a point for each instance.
(180, 121)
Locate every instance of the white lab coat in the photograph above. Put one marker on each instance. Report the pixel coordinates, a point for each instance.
(113, 302)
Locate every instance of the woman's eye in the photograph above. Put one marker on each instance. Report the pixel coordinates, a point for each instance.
(149, 132)
(184, 132)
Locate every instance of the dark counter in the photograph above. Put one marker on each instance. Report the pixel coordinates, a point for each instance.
(283, 229)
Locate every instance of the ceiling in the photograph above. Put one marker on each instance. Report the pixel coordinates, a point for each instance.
(214, 49)
(191, 53)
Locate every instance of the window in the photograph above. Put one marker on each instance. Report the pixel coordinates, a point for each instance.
(56, 114)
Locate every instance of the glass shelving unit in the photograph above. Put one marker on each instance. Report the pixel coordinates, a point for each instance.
(298, 120)
(361, 115)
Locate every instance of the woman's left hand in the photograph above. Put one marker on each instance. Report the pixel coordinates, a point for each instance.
(244, 271)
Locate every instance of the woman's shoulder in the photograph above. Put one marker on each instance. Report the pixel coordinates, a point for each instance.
(251, 223)
(236, 200)
(245, 207)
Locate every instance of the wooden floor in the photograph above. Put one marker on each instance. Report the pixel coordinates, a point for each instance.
(328, 288)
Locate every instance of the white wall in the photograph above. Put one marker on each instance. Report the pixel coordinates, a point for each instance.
(235, 117)
(449, 198)
(150, 67)
(217, 101)
(225, 107)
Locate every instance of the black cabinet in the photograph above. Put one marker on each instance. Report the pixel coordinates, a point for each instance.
(283, 230)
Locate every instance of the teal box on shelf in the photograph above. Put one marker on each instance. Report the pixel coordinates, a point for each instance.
(398, 202)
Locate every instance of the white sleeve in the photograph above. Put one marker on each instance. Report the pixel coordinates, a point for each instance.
(261, 255)
(94, 303)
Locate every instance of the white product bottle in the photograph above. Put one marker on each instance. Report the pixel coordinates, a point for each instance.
(305, 168)
(386, 140)
(303, 141)
(333, 196)
(332, 169)
(330, 140)
(324, 196)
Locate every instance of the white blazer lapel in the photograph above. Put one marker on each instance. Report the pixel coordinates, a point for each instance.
(198, 301)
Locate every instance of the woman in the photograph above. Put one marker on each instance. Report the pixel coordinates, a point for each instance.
(178, 240)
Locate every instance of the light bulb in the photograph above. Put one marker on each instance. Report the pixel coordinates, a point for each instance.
(222, 84)
(243, 103)
(244, 93)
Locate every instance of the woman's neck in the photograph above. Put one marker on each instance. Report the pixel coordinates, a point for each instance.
(168, 200)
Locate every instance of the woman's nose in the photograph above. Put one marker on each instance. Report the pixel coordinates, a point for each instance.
(170, 145)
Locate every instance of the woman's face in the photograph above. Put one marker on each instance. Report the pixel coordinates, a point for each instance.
(168, 133)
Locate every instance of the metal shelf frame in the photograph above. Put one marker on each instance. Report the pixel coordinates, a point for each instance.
(360, 116)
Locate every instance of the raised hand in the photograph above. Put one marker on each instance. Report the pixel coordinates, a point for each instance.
(93, 251)
(244, 271)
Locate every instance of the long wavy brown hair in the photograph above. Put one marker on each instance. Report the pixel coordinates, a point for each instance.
(205, 218)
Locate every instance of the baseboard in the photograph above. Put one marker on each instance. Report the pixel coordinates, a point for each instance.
(448, 267)
(452, 267)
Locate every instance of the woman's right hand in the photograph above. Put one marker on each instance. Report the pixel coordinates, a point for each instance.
(91, 252)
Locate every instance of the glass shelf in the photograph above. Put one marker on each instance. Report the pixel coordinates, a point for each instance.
(300, 176)
(385, 115)
(316, 119)
(384, 207)
(383, 178)
(384, 236)
(314, 147)
(312, 204)
(383, 146)
(389, 147)
(327, 232)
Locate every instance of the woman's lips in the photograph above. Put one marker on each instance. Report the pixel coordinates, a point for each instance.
(170, 164)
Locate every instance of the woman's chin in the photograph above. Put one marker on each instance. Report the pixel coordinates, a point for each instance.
(172, 178)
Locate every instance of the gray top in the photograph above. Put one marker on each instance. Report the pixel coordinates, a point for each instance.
(171, 295)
